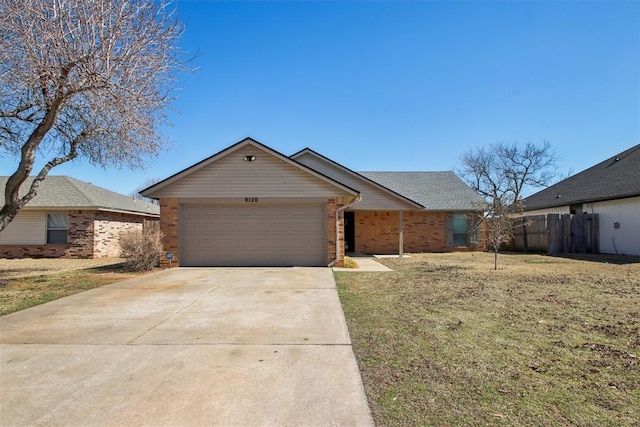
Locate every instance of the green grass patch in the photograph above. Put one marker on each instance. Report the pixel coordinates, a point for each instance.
(447, 341)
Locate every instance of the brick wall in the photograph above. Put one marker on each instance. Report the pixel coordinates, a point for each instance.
(91, 234)
(79, 241)
(482, 237)
(376, 232)
(425, 232)
(107, 227)
(33, 251)
(332, 205)
(80, 236)
(169, 229)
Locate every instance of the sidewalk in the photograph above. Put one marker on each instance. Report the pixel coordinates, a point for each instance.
(365, 263)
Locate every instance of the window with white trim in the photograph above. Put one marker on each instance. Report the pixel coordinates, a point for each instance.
(57, 229)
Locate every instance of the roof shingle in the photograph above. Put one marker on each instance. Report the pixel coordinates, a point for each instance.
(436, 191)
(615, 178)
(66, 192)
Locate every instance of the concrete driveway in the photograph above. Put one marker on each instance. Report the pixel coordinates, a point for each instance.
(188, 346)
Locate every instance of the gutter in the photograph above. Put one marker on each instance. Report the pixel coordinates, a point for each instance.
(338, 211)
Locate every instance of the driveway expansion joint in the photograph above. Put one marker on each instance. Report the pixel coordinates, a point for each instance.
(172, 315)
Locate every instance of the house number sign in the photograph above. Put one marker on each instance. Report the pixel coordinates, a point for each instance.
(251, 200)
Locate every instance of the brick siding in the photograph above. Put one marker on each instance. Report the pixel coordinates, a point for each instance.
(425, 232)
(92, 234)
(107, 227)
(169, 227)
(80, 236)
(376, 232)
(332, 205)
(33, 251)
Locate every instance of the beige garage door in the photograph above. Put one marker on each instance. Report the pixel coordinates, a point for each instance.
(252, 235)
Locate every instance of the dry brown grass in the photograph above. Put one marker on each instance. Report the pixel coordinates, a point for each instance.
(28, 282)
(542, 341)
(12, 268)
(350, 263)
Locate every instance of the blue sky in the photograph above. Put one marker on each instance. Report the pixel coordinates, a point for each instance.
(401, 85)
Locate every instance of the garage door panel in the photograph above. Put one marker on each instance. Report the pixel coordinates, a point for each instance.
(222, 235)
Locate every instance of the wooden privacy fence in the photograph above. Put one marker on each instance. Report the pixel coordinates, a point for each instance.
(530, 233)
(557, 234)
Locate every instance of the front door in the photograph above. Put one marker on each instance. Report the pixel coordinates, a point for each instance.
(349, 232)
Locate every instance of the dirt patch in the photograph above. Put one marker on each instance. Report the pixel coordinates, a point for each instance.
(13, 268)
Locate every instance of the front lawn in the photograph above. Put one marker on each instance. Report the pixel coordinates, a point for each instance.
(445, 340)
(24, 290)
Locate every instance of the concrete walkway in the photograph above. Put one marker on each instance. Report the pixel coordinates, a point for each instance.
(185, 347)
(365, 263)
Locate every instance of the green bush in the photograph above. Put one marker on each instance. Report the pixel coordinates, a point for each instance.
(141, 249)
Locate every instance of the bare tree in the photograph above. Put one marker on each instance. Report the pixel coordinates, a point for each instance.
(507, 171)
(498, 220)
(85, 79)
(147, 183)
(502, 173)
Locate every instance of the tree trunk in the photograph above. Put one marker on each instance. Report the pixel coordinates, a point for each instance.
(495, 260)
(12, 200)
(7, 214)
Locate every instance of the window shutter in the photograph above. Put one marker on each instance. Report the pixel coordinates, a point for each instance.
(449, 226)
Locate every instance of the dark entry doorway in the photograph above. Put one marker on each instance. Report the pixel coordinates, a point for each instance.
(349, 232)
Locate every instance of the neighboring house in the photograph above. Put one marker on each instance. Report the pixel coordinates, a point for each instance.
(610, 189)
(250, 205)
(72, 219)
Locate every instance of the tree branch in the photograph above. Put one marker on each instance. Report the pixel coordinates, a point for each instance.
(87, 79)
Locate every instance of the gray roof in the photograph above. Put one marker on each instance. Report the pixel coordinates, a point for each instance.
(616, 178)
(436, 191)
(67, 192)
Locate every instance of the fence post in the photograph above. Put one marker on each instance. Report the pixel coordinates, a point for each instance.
(577, 233)
(596, 233)
(566, 233)
(555, 234)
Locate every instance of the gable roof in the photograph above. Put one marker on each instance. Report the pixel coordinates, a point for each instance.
(59, 191)
(149, 191)
(359, 176)
(436, 191)
(615, 178)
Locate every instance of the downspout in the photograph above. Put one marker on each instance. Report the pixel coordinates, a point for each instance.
(340, 209)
